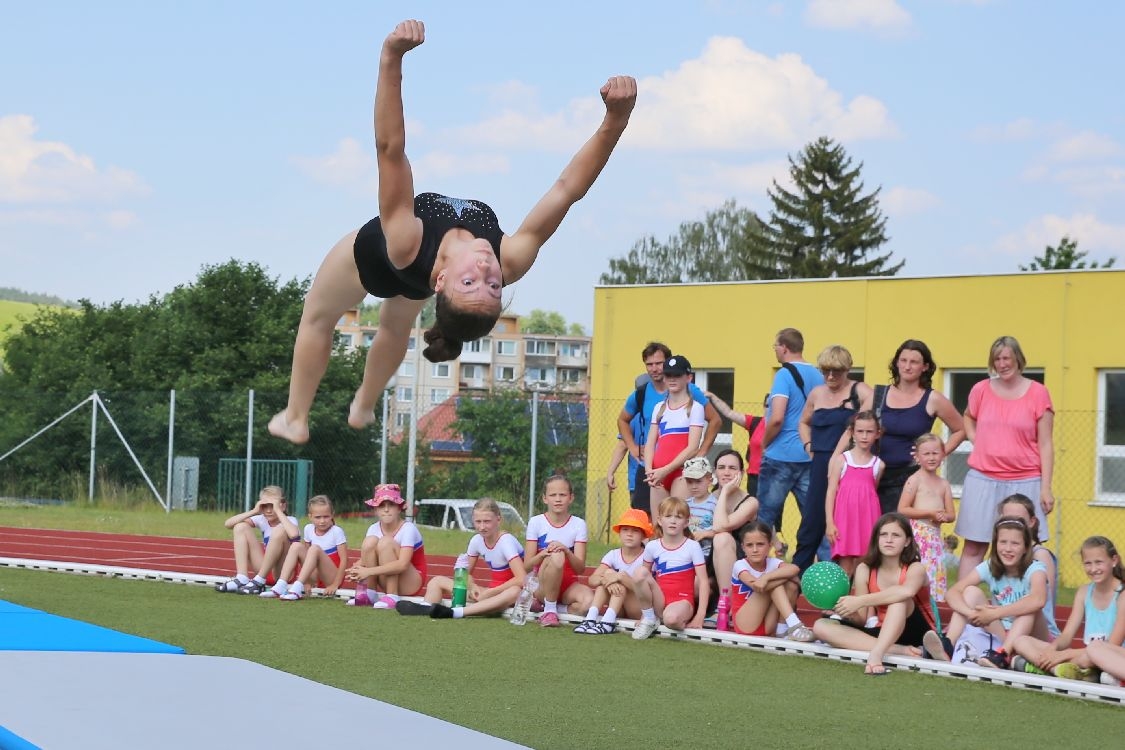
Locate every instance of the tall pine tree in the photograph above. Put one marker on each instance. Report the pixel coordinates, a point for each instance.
(826, 227)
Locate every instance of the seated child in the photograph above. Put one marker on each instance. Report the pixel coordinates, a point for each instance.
(671, 584)
(764, 589)
(504, 556)
(393, 556)
(264, 558)
(555, 548)
(1097, 605)
(322, 556)
(611, 581)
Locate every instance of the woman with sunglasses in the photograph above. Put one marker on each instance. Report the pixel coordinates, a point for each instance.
(828, 411)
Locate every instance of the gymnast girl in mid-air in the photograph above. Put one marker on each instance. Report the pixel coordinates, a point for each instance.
(427, 244)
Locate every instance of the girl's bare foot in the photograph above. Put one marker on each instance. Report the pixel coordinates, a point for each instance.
(295, 432)
(358, 417)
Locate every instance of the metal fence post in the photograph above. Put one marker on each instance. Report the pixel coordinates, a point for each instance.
(249, 448)
(534, 445)
(171, 446)
(93, 443)
(383, 440)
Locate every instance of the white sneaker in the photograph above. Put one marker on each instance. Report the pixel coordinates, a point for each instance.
(1107, 679)
(644, 629)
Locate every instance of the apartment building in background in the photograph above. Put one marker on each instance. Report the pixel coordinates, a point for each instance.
(506, 358)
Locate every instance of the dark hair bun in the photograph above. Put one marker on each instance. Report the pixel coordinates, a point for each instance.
(441, 348)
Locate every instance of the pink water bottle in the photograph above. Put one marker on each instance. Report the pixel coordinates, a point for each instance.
(722, 611)
(362, 598)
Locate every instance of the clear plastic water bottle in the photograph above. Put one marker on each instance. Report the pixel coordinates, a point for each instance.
(523, 602)
(722, 611)
(461, 581)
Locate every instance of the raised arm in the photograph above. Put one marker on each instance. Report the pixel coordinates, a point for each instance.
(402, 229)
(519, 250)
(725, 410)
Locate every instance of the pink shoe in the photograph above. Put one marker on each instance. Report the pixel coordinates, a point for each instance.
(549, 620)
(536, 606)
(385, 602)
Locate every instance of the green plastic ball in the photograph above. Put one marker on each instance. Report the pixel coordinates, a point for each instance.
(824, 583)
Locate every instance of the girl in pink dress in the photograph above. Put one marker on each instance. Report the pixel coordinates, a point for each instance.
(852, 504)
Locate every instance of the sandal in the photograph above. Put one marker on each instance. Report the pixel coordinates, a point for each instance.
(229, 586)
(876, 670)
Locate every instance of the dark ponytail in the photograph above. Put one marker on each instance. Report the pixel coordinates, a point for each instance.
(453, 327)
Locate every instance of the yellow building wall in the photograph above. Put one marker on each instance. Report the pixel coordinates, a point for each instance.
(1069, 323)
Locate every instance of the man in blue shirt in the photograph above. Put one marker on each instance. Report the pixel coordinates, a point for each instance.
(785, 463)
(641, 403)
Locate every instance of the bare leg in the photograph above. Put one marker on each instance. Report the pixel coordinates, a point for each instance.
(577, 598)
(439, 587)
(335, 289)
(247, 549)
(1107, 657)
(396, 318)
(550, 577)
(295, 555)
(723, 554)
(971, 556)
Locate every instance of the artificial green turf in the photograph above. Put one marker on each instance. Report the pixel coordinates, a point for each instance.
(551, 688)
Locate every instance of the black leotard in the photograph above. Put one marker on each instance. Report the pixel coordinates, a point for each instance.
(439, 214)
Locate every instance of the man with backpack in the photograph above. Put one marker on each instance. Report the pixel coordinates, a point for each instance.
(633, 421)
(785, 463)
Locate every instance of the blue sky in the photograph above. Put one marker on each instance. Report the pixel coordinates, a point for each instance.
(140, 141)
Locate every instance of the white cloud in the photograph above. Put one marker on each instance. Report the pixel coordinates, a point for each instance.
(49, 172)
(1084, 146)
(1021, 129)
(733, 98)
(445, 164)
(902, 201)
(1098, 238)
(350, 164)
(879, 15)
(730, 98)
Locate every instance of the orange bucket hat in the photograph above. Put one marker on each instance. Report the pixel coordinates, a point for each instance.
(636, 518)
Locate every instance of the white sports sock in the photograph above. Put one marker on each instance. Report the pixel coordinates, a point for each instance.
(298, 588)
(648, 614)
(610, 616)
(458, 613)
(242, 578)
(592, 614)
(281, 587)
(793, 621)
(550, 607)
(780, 629)
(259, 579)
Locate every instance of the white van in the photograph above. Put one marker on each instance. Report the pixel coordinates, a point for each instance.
(458, 514)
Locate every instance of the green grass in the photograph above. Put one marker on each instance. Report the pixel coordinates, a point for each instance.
(604, 692)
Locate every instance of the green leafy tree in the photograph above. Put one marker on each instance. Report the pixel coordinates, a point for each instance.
(499, 427)
(826, 227)
(575, 329)
(229, 331)
(1065, 256)
(718, 248)
(543, 321)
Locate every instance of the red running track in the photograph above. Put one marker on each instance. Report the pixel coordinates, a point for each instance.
(170, 553)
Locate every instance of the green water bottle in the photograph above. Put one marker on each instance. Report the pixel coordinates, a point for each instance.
(461, 581)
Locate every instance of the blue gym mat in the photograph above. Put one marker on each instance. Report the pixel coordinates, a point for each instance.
(27, 629)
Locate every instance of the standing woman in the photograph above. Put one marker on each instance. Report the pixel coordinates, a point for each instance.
(906, 410)
(427, 244)
(824, 421)
(1010, 421)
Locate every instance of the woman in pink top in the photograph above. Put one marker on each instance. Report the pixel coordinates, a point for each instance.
(1010, 422)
